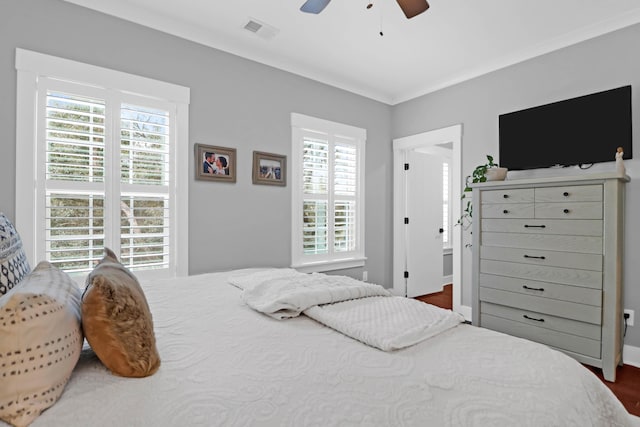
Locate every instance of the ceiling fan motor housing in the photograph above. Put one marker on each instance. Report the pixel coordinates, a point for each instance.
(410, 8)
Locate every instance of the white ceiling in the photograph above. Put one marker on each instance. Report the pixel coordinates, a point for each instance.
(451, 42)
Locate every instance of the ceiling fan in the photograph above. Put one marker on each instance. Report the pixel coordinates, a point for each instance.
(410, 8)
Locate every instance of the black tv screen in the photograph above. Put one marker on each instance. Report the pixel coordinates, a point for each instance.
(577, 131)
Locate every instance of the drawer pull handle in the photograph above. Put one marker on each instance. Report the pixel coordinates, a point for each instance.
(536, 257)
(566, 211)
(533, 289)
(506, 196)
(505, 211)
(534, 226)
(565, 194)
(533, 318)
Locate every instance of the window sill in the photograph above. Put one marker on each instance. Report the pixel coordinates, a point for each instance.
(321, 266)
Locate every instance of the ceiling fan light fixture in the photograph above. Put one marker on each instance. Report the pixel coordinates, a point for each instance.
(413, 8)
(314, 6)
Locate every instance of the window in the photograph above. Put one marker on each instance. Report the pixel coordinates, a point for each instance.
(104, 159)
(328, 194)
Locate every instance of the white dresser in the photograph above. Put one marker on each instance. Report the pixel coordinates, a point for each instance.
(547, 263)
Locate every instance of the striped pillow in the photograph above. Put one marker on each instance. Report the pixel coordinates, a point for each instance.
(40, 342)
(13, 261)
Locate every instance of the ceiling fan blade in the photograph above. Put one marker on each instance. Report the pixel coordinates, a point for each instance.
(314, 6)
(412, 8)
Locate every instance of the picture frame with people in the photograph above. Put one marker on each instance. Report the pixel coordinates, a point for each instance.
(215, 163)
(269, 169)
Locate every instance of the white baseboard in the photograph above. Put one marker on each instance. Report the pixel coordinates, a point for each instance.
(446, 280)
(631, 356)
(465, 310)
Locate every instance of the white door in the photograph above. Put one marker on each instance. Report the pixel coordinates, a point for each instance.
(431, 139)
(423, 231)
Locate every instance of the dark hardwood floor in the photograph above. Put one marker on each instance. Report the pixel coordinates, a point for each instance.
(442, 299)
(626, 387)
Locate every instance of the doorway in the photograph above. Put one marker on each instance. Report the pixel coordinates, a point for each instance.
(432, 141)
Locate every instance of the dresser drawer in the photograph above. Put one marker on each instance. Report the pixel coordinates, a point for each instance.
(574, 193)
(552, 242)
(558, 308)
(507, 210)
(545, 321)
(580, 227)
(558, 291)
(566, 276)
(543, 257)
(569, 210)
(559, 340)
(512, 195)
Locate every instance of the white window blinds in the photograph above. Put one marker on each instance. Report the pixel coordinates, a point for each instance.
(345, 191)
(75, 138)
(328, 207)
(145, 172)
(104, 164)
(76, 155)
(74, 186)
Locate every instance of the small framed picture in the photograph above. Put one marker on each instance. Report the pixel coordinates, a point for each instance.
(215, 163)
(269, 169)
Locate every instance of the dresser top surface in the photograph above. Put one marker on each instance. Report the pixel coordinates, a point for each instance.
(563, 180)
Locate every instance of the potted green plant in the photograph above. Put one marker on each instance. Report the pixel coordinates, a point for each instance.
(489, 171)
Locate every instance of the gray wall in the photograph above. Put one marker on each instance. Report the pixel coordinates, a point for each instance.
(242, 104)
(447, 265)
(234, 103)
(602, 63)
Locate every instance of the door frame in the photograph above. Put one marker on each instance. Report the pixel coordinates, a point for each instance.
(430, 138)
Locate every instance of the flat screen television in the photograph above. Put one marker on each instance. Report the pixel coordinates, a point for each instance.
(577, 131)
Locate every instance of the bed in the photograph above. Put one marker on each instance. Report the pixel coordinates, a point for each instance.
(225, 364)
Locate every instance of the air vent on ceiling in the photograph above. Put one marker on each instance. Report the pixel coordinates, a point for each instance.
(261, 29)
(253, 26)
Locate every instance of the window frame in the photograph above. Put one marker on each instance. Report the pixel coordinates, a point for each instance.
(302, 125)
(33, 71)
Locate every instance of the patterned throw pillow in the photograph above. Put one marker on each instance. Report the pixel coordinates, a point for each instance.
(13, 261)
(40, 342)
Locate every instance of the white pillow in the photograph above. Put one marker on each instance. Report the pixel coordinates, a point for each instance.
(40, 342)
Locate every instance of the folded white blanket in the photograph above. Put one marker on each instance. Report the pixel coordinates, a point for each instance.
(387, 323)
(362, 311)
(249, 278)
(289, 294)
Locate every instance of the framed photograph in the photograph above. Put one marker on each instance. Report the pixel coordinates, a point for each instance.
(215, 163)
(269, 169)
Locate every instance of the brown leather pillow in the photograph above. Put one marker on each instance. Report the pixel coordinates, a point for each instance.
(117, 321)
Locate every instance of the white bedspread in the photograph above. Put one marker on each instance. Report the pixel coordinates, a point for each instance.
(223, 364)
